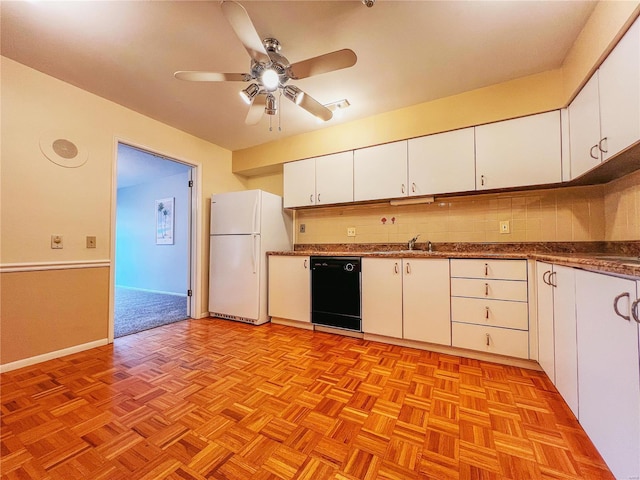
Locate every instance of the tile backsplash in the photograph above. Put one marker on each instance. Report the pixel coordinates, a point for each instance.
(592, 213)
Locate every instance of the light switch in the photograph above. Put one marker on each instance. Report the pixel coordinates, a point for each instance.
(56, 241)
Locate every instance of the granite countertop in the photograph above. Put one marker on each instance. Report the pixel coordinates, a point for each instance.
(620, 258)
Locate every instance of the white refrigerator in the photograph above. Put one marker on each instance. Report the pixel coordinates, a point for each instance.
(244, 226)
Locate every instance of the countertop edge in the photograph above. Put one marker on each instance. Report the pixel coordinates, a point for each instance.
(585, 261)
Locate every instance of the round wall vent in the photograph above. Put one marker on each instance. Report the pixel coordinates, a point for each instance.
(63, 151)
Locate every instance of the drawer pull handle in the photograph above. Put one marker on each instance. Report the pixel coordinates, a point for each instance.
(488, 340)
(486, 269)
(486, 313)
(395, 267)
(595, 157)
(615, 306)
(402, 188)
(305, 263)
(413, 187)
(551, 277)
(311, 198)
(634, 311)
(318, 198)
(486, 289)
(482, 180)
(408, 268)
(544, 277)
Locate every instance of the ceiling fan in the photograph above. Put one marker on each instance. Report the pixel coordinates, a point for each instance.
(271, 71)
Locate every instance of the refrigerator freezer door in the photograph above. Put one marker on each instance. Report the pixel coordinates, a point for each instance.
(235, 213)
(234, 275)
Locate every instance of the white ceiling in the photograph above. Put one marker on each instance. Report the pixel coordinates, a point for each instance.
(408, 52)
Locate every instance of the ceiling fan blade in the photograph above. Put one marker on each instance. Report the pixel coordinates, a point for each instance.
(195, 76)
(322, 64)
(239, 20)
(256, 109)
(315, 108)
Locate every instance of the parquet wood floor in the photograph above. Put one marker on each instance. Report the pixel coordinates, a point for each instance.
(212, 399)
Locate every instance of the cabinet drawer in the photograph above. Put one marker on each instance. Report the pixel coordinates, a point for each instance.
(496, 313)
(496, 269)
(503, 341)
(490, 289)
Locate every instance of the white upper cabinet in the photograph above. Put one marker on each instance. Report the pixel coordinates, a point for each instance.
(319, 181)
(380, 172)
(619, 78)
(604, 118)
(300, 183)
(442, 163)
(518, 152)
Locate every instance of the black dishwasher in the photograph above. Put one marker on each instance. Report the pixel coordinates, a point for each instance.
(335, 292)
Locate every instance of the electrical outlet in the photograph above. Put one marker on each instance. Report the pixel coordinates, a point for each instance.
(504, 227)
(351, 232)
(56, 241)
(91, 241)
(303, 228)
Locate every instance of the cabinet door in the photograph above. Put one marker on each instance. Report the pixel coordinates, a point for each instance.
(382, 296)
(290, 288)
(584, 128)
(564, 330)
(334, 178)
(442, 163)
(300, 183)
(426, 301)
(523, 151)
(619, 80)
(608, 371)
(380, 171)
(546, 348)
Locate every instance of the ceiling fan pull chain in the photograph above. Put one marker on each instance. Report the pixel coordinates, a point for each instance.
(280, 112)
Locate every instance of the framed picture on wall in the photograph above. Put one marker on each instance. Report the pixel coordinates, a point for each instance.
(164, 221)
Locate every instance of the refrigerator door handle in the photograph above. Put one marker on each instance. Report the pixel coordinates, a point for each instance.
(254, 253)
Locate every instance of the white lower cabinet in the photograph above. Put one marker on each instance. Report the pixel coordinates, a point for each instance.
(557, 349)
(425, 292)
(290, 288)
(609, 369)
(406, 298)
(382, 296)
(489, 306)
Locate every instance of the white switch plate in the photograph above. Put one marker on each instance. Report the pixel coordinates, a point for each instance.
(351, 232)
(56, 241)
(504, 227)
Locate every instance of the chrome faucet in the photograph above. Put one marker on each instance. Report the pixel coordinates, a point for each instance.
(412, 242)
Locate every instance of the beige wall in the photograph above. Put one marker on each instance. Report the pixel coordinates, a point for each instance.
(40, 198)
(533, 94)
(622, 208)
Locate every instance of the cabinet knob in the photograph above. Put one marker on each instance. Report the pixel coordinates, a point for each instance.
(615, 306)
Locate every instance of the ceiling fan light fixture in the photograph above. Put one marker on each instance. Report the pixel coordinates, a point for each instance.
(270, 79)
(271, 108)
(249, 93)
(293, 93)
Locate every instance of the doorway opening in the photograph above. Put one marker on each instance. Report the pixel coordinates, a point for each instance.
(153, 239)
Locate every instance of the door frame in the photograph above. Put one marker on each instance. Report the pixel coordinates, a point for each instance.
(194, 253)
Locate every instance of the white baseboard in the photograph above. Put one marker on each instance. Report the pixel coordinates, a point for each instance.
(26, 362)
